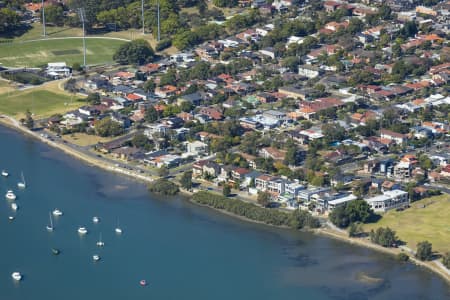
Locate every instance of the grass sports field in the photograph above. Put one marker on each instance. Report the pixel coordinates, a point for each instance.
(42, 101)
(427, 219)
(36, 53)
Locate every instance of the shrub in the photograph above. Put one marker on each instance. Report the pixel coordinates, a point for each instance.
(402, 257)
(298, 219)
(164, 187)
(163, 44)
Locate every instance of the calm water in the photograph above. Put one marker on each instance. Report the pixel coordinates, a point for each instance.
(183, 251)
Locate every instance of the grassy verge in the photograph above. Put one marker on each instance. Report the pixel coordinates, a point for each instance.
(427, 219)
(83, 139)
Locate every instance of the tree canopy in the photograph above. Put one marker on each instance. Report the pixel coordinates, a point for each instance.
(136, 52)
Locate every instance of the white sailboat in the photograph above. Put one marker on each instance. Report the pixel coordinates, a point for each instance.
(57, 212)
(118, 230)
(16, 276)
(22, 184)
(50, 227)
(4, 173)
(14, 206)
(10, 195)
(100, 243)
(96, 257)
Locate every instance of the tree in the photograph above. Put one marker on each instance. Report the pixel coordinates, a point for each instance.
(402, 257)
(355, 229)
(339, 217)
(149, 86)
(186, 180)
(151, 115)
(135, 52)
(225, 3)
(93, 98)
(28, 122)
(108, 127)
(424, 251)
(263, 198)
(446, 260)
(164, 187)
(383, 236)
(139, 140)
(54, 14)
(226, 191)
(354, 211)
(163, 172)
(9, 20)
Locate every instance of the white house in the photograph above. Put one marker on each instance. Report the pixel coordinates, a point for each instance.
(59, 69)
(196, 148)
(309, 71)
(389, 200)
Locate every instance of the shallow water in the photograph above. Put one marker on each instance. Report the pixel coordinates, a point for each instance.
(182, 250)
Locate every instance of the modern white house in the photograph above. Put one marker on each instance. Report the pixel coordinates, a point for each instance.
(389, 200)
(58, 69)
(196, 148)
(309, 71)
(340, 201)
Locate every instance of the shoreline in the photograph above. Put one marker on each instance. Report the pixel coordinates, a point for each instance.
(11, 123)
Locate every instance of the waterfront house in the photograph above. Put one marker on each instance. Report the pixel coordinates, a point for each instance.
(389, 200)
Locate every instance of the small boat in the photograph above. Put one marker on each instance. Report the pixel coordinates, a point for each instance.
(10, 195)
(22, 183)
(50, 227)
(95, 220)
(57, 213)
(82, 230)
(143, 282)
(11, 218)
(4, 173)
(14, 206)
(55, 251)
(96, 257)
(100, 243)
(16, 276)
(118, 230)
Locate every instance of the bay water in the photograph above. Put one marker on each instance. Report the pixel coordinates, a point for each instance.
(183, 251)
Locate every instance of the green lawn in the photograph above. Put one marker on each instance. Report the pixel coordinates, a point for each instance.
(41, 103)
(32, 54)
(419, 223)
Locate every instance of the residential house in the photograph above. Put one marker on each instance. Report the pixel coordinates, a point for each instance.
(58, 70)
(238, 174)
(196, 148)
(398, 138)
(166, 91)
(211, 112)
(197, 168)
(211, 169)
(309, 71)
(389, 200)
(270, 152)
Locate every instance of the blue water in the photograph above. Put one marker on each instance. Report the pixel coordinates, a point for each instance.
(182, 250)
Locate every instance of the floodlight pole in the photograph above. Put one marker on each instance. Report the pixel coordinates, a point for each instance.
(81, 12)
(143, 21)
(159, 25)
(43, 18)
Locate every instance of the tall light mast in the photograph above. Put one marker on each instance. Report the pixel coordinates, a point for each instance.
(43, 19)
(83, 20)
(159, 25)
(143, 21)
